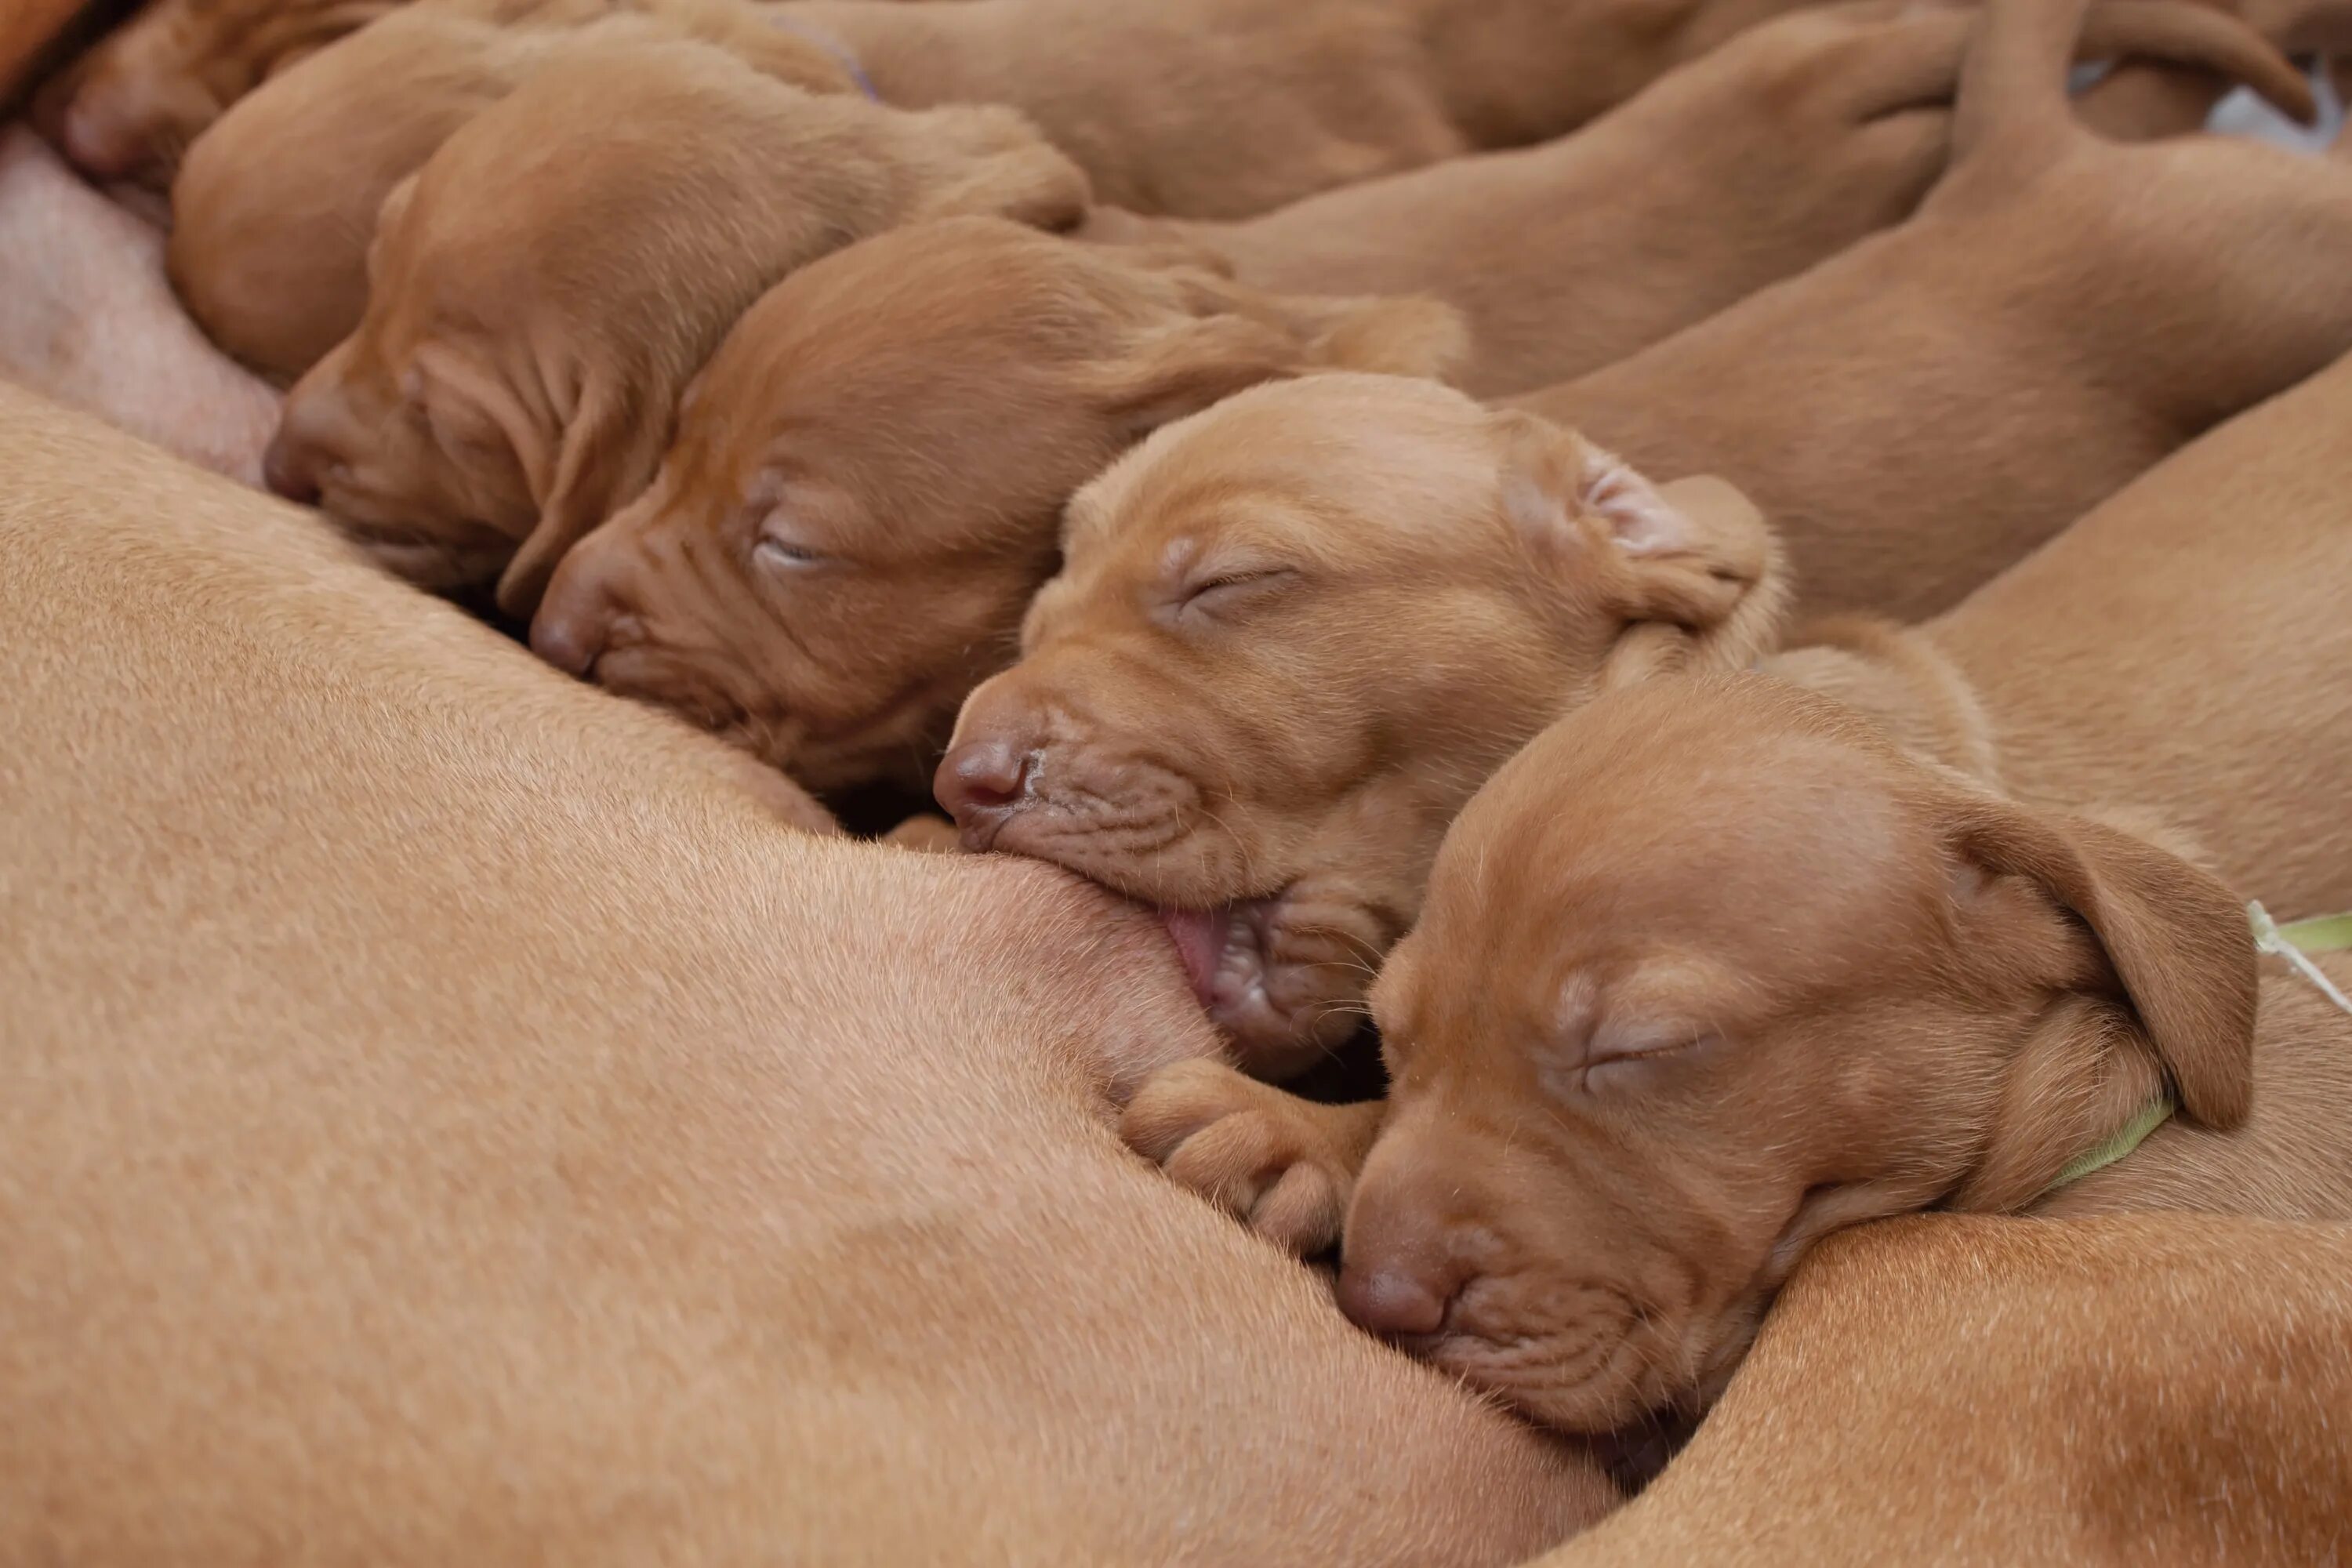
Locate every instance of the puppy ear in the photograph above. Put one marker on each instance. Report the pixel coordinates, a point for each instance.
(989, 159)
(1688, 570)
(610, 452)
(2167, 936)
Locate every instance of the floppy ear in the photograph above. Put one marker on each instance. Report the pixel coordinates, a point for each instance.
(1689, 569)
(2170, 937)
(989, 159)
(610, 452)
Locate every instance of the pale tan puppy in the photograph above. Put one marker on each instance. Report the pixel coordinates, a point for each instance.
(2147, 657)
(2110, 1392)
(1226, 107)
(1292, 634)
(1786, 145)
(868, 483)
(274, 207)
(442, 1079)
(545, 287)
(1921, 411)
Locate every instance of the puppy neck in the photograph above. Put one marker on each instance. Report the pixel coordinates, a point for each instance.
(1902, 682)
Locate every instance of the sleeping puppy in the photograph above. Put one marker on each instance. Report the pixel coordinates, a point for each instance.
(867, 480)
(130, 108)
(274, 208)
(1292, 634)
(544, 287)
(2063, 313)
(1709, 973)
(1788, 144)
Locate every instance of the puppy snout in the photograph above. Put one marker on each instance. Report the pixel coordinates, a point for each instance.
(981, 783)
(574, 622)
(1394, 1298)
(288, 466)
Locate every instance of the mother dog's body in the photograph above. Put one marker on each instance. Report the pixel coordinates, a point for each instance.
(448, 1121)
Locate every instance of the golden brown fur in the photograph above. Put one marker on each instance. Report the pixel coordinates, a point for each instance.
(1827, 978)
(2061, 314)
(1225, 706)
(448, 1121)
(1224, 108)
(274, 205)
(906, 420)
(547, 284)
(1776, 150)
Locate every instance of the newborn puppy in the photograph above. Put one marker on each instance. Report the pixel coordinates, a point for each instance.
(130, 108)
(1714, 970)
(87, 319)
(276, 204)
(868, 478)
(1921, 411)
(545, 287)
(1292, 634)
(1787, 144)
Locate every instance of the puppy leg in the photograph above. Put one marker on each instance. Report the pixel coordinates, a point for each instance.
(1284, 1165)
(87, 318)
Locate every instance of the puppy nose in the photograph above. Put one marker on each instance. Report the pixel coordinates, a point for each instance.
(577, 614)
(1392, 1297)
(980, 783)
(95, 142)
(286, 468)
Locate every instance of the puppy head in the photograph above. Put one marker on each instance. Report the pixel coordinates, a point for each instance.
(1711, 970)
(867, 484)
(273, 210)
(564, 263)
(1293, 634)
(131, 107)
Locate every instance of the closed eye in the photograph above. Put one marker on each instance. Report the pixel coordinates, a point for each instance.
(785, 554)
(1232, 589)
(1633, 1061)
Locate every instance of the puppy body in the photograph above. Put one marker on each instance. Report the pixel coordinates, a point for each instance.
(2061, 314)
(1777, 150)
(274, 205)
(548, 282)
(1226, 108)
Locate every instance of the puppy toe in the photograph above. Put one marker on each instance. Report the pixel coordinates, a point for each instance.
(1232, 1161)
(1178, 1102)
(1302, 1212)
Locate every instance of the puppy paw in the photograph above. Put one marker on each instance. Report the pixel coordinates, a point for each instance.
(927, 834)
(1283, 1165)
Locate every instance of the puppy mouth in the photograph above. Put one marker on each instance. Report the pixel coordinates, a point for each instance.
(1223, 952)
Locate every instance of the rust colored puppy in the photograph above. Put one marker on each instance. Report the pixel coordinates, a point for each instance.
(1226, 107)
(1290, 639)
(131, 108)
(1800, 899)
(274, 207)
(1921, 411)
(867, 481)
(1785, 146)
(547, 284)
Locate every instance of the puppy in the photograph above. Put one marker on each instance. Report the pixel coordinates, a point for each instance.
(546, 285)
(1922, 410)
(1874, 907)
(1221, 108)
(130, 108)
(1292, 634)
(274, 205)
(867, 482)
(1788, 144)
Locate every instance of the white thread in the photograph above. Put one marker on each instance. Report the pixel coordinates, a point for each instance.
(2269, 939)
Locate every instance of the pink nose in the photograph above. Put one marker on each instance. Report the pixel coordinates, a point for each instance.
(1393, 1298)
(981, 783)
(575, 621)
(96, 143)
(286, 468)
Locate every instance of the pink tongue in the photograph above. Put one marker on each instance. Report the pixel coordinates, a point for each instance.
(1200, 939)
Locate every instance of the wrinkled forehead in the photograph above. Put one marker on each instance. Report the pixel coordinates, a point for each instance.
(1766, 848)
(1336, 459)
